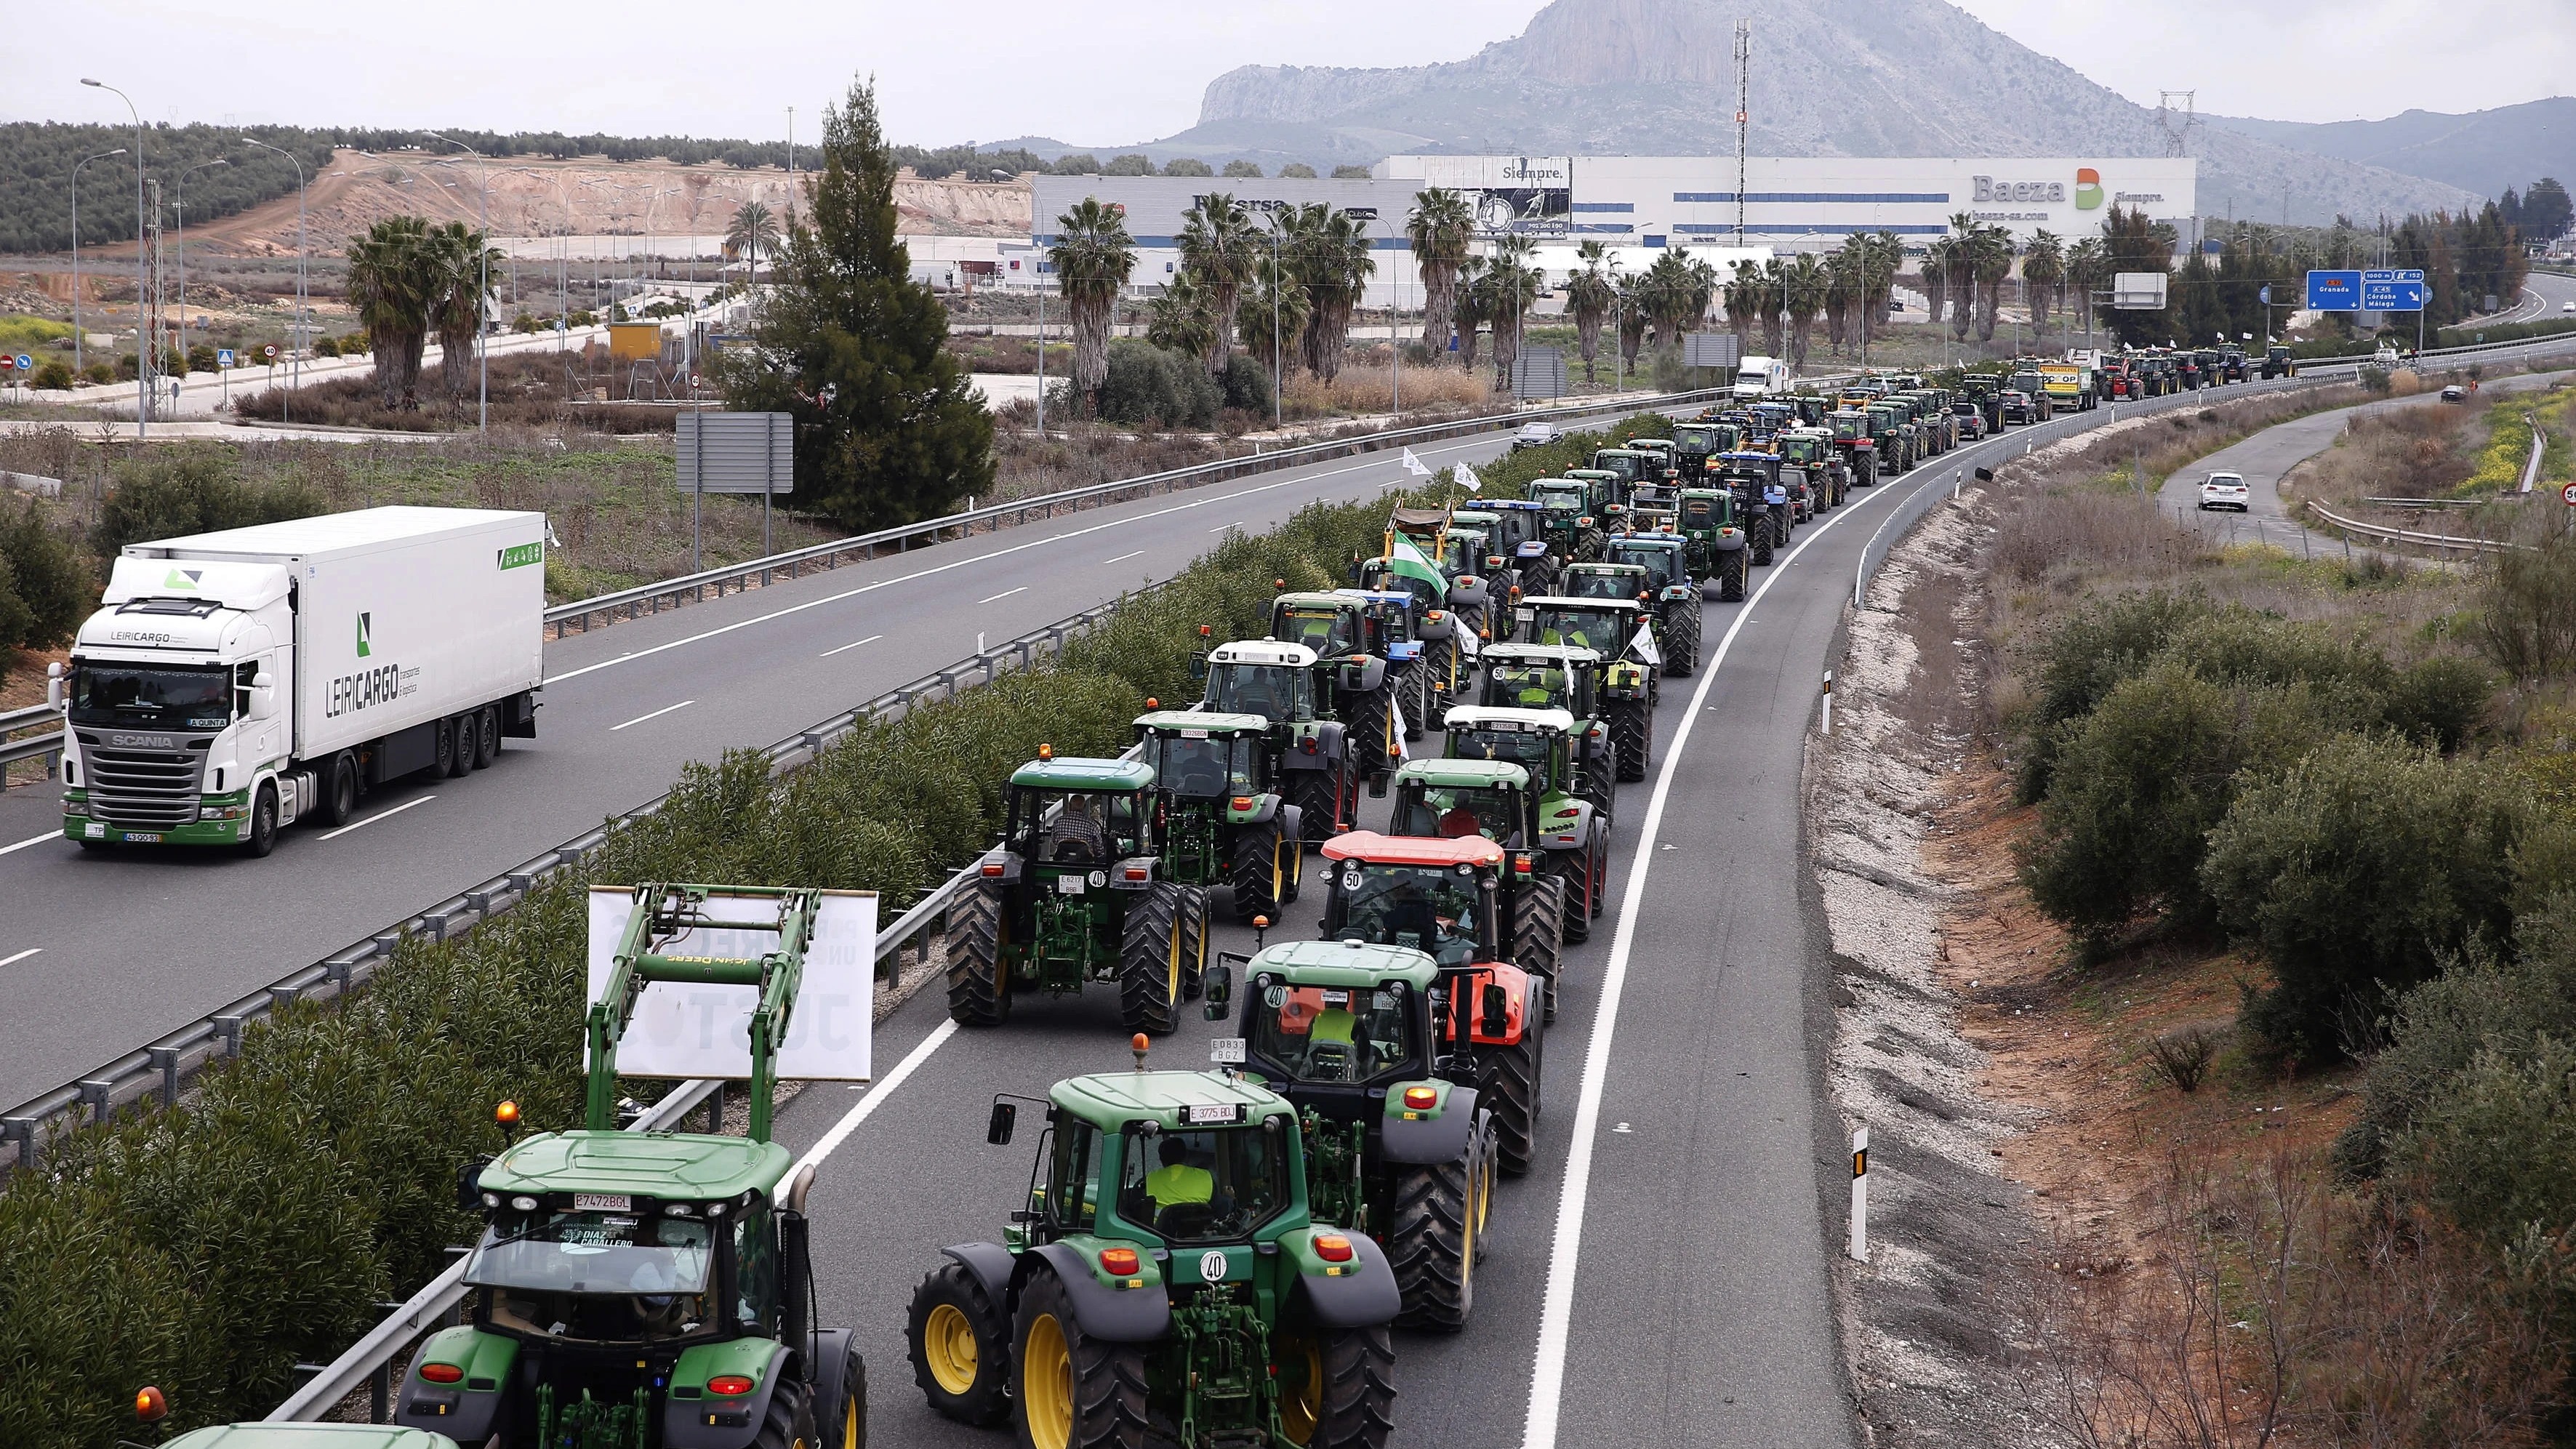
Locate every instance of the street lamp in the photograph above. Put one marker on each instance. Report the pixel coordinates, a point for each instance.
(183, 257)
(295, 364)
(482, 294)
(142, 344)
(77, 329)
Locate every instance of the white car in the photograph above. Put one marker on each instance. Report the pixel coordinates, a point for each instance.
(2225, 490)
(1536, 435)
(2384, 356)
(2567, 306)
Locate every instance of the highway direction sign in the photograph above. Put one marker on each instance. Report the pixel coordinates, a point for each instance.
(2334, 292)
(2392, 290)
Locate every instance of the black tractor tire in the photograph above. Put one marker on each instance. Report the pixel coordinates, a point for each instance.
(1152, 959)
(1680, 641)
(1106, 1404)
(1538, 931)
(789, 1421)
(1511, 1085)
(1355, 1408)
(1258, 874)
(1572, 869)
(1431, 1243)
(979, 983)
(959, 1341)
(851, 1432)
(1194, 941)
(1730, 576)
(1312, 792)
(1370, 732)
(1295, 862)
(1759, 529)
(1632, 730)
(1599, 900)
(1417, 694)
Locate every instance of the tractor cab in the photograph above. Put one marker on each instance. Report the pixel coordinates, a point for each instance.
(1336, 626)
(1221, 816)
(1263, 677)
(1568, 759)
(1328, 721)
(1695, 443)
(1659, 555)
(1515, 527)
(1606, 580)
(1425, 893)
(1453, 799)
(1080, 818)
(1606, 625)
(1541, 676)
(1197, 755)
(1630, 466)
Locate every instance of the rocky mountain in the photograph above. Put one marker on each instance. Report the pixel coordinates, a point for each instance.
(2485, 151)
(1830, 77)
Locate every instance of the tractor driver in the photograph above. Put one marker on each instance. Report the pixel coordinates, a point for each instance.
(1182, 1198)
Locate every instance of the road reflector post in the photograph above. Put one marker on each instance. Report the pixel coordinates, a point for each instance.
(1956, 474)
(1860, 1195)
(1826, 726)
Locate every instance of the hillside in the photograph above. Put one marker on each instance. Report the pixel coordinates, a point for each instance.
(1920, 78)
(2484, 151)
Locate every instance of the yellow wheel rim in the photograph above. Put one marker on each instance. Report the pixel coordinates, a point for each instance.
(1046, 1384)
(850, 1427)
(1467, 1248)
(1278, 872)
(1301, 1388)
(948, 1346)
(1172, 986)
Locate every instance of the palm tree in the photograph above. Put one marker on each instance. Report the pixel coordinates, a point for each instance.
(1275, 308)
(1217, 248)
(1842, 286)
(1744, 304)
(2043, 270)
(1807, 282)
(1512, 285)
(465, 269)
(754, 228)
(1442, 232)
(396, 282)
(2086, 268)
(1775, 283)
(1329, 253)
(1959, 260)
(1184, 318)
(1936, 278)
(1994, 252)
(1633, 316)
(1093, 257)
(1470, 309)
(1589, 295)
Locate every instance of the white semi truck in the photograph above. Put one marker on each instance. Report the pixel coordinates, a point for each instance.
(233, 683)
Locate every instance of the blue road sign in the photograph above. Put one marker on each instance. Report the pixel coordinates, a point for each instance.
(2389, 289)
(223, 357)
(26, 363)
(2266, 294)
(2334, 292)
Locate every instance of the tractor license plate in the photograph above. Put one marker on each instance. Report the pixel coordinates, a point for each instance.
(602, 1202)
(1226, 1050)
(1213, 1114)
(1070, 885)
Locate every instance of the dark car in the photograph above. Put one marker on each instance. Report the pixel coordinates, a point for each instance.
(1972, 423)
(2019, 409)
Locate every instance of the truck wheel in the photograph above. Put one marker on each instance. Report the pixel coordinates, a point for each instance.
(1511, 1083)
(1631, 730)
(1538, 930)
(1073, 1391)
(1432, 1244)
(789, 1422)
(1151, 960)
(960, 1345)
(487, 737)
(442, 753)
(1263, 858)
(979, 981)
(1336, 1387)
(263, 824)
(339, 789)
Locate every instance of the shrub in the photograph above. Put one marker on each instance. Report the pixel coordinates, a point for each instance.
(1187, 166)
(1249, 169)
(15, 616)
(201, 357)
(2495, 1146)
(46, 575)
(2073, 664)
(192, 490)
(2527, 607)
(1297, 170)
(2439, 700)
(326, 347)
(54, 373)
(2183, 1055)
(1246, 383)
(1155, 387)
(2375, 381)
(2355, 873)
(1352, 173)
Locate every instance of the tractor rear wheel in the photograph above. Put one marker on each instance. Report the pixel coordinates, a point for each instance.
(1194, 942)
(1317, 795)
(1073, 1391)
(1369, 729)
(1760, 531)
(789, 1421)
(1538, 930)
(979, 981)
(1417, 694)
(1730, 576)
(1681, 637)
(1153, 957)
(1573, 874)
(1432, 1244)
(960, 1344)
(1263, 857)
(1632, 731)
(1511, 1083)
(1336, 1386)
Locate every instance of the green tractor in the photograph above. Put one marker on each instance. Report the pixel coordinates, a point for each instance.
(1546, 839)
(1222, 818)
(1322, 763)
(1630, 674)
(1168, 1279)
(1671, 595)
(650, 1288)
(1074, 894)
(1754, 478)
(1694, 443)
(1363, 1039)
(1712, 540)
(1572, 779)
(1809, 453)
(1516, 555)
(1356, 640)
(1572, 530)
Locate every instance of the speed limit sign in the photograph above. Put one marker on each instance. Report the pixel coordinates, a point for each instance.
(2569, 493)
(270, 351)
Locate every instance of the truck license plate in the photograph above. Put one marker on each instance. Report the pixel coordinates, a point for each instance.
(137, 837)
(602, 1202)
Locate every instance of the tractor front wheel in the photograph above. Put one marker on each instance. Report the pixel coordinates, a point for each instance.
(1259, 872)
(1073, 1391)
(1632, 730)
(979, 980)
(1153, 958)
(1538, 930)
(1336, 1386)
(960, 1345)
(1432, 1244)
(1512, 1085)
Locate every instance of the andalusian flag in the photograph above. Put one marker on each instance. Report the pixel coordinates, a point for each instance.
(1407, 559)
(1468, 476)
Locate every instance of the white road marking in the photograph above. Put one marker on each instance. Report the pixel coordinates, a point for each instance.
(21, 956)
(1004, 594)
(657, 714)
(39, 840)
(859, 1110)
(372, 819)
(1122, 558)
(1556, 1309)
(846, 648)
(1222, 527)
(986, 557)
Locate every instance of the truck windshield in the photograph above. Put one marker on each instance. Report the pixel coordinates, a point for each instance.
(1202, 1187)
(1457, 811)
(1276, 692)
(1333, 1034)
(115, 694)
(596, 1276)
(1430, 908)
(1203, 766)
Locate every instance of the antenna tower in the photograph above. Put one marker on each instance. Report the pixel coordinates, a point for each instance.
(1743, 115)
(2177, 128)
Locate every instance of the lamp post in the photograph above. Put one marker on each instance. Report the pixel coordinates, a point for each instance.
(142, 343)
(183, 257)
(77, 329)
(295, 363)
(482, 293)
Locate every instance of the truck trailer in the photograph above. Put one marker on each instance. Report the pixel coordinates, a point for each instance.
(233, 683)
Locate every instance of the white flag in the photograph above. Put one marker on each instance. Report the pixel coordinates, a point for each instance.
(1643, 646)
(1468, 476)
(1415, 466)
(1395, 721)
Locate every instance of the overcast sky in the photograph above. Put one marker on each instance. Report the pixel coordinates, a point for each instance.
(1100, 72)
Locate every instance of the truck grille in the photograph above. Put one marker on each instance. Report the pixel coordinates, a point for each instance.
(144, 789)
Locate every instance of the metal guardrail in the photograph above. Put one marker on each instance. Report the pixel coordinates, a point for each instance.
(2408, 535)
(50, 746)
(576, 616)
(162, 1067)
